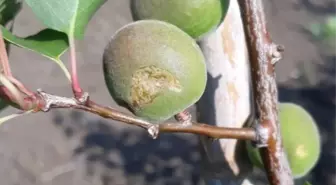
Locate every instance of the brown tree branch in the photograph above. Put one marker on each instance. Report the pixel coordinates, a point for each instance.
(44, 102)
(263, 56)
(53, 101)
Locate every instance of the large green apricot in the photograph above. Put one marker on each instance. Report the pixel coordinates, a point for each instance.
(154, 69)
(195, 17)
(301, 140)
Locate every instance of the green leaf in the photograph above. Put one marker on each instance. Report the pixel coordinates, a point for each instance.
(330, 27)
(315, 29)
(8, 10)
(307, 183)
(49, 43)
(69, 16)
(324, 30)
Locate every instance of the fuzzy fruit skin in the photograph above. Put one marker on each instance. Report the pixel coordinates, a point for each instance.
(301, 140)
(154, 43)
(195, 17)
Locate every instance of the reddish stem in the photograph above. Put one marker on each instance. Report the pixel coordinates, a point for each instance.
(6, 68)
(20, 86)
(4, 57)
(29, 102)
(77, 90)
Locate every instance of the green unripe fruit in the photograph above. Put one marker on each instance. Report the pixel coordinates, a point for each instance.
(154, 69)
(301, 140)
(299, 130)
(195, 17)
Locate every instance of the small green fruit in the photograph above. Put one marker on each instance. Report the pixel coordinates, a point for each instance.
(154, 69)
(301, 140)
(195, 17)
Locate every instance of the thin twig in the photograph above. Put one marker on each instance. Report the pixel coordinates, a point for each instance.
(263, 55)
(194, 128)
(53, 101)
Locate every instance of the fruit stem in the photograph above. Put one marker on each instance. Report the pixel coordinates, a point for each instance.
(77, 90)
(4, 57)
(184, 117)
(20, 86)
(7, 71)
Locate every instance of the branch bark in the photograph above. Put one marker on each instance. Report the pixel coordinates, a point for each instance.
(263, 56)
(44, 102)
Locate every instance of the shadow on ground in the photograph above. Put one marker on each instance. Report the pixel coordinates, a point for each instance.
(171, 159)
(326, 7)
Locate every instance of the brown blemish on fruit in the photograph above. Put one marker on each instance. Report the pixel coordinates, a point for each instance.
(228, 43)
(148, 82)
